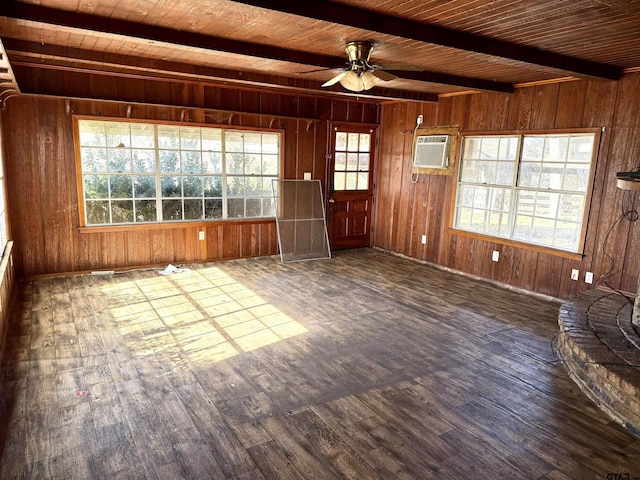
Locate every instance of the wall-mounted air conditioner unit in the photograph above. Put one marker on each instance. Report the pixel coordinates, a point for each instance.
(431, 151)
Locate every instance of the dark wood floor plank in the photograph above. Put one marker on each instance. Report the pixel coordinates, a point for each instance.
(366, 365)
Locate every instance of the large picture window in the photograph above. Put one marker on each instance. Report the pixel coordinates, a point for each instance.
(530, 188)
(141, 173)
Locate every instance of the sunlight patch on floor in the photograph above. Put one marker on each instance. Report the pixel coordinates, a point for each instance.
(208, 315)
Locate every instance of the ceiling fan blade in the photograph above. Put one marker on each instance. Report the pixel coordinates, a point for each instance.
(319, 70)
(403, 66)
(335, 79)
(384, 76)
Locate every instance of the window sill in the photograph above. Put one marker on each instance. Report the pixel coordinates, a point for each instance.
(172, 225)
(522, 245)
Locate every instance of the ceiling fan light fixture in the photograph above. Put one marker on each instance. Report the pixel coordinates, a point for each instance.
(357, 82)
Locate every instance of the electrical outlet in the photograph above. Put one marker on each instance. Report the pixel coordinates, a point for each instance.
(574, 274)
(424, 239)
(307, 175)
(495, 256)
(420, 120)
(201, 235)
(588, 277)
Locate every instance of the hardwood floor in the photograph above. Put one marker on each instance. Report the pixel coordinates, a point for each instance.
(365, 366)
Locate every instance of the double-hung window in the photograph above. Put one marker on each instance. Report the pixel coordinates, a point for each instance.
(531, 188)
(141, 172)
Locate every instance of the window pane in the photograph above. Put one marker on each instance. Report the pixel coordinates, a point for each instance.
(352, 142)
(270, 143)
(191, 187)
(235, 163)
(463, 219)
(508, 148)
(168, 137)
(122, 211)
(270, 165)
(213, 208)
(522, 229)
(144, 187)
(170, 186)
(213, 187)
(532, 148)
(363, 162)
(121, 187)
(118, 135)
(233, 142)
(235, 207)
(193, 209)
(552, 176)
(471, 148)
(489, 148)
(341, 161)
(268, 207)
(526, 203)
(571, 207)
(500, 200)
(94, 160)
(363, 180)
(253, 187)
(142, 136)
(235, 186)
(189, 138)
(211, 162)
(555, 149)
(211, 140)
(169, 162)
(546, 204)
(146, 211)
(576, 177)
(352, 161)
(144, 161)
(504, 173)
(338, 180)
(253, 142)
(252, 164)
(341, 141)
(567, 235)
(365, 141)
(580, 149)
(119, 160)
(254, 207)
(171, 210)
(352, 181)
(92, 134)
(97, 212)
(191, 162)
(96, 186)
(530, 174)
(543, 231)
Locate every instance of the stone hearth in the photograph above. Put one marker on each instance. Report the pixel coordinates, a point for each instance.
(600, 348)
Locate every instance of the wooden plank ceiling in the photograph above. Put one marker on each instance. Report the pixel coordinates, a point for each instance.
(463, 44)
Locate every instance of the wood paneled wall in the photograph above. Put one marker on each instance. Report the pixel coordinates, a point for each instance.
(7, 282)
(41, 177)
(406, 211)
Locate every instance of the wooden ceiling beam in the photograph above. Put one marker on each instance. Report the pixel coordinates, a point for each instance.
(35, 55)
(387, 24)
(51, 16)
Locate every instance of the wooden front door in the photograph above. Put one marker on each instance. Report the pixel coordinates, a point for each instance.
(350, 186)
